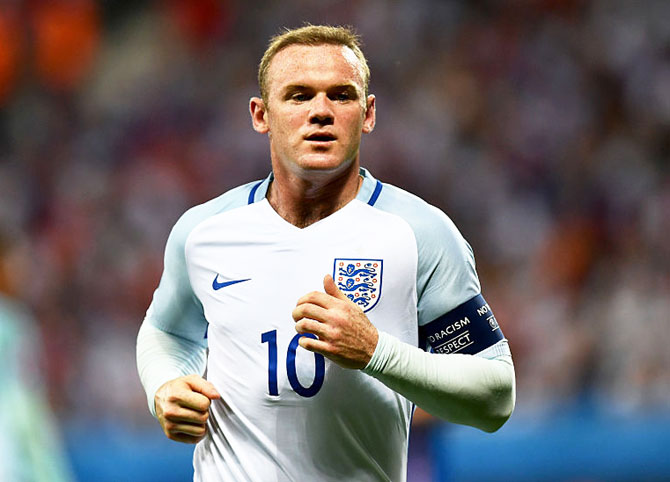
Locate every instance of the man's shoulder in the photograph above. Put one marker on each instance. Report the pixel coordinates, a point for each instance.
(229, 200)
(436, 235)
(423, 217)
(394, 198)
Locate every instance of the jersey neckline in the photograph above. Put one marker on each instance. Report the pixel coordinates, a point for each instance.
(368, 194)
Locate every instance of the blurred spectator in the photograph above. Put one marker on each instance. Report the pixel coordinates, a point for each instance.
(66, 34)
(11, 50)
(29, 439)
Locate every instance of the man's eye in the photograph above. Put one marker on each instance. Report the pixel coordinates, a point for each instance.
(342, 96)
(299, 97)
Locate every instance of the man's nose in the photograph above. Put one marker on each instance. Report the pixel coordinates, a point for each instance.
(321, 111)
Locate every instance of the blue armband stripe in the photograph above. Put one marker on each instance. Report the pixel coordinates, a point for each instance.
(469, 328)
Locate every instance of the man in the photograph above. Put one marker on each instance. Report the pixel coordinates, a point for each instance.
(311, 291)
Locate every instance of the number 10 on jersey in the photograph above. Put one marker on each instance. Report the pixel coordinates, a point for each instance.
(270, 337)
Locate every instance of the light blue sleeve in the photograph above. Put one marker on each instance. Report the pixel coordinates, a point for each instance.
(175, 308)
(446, 275)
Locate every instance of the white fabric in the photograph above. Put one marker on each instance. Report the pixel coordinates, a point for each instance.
(465, 389)
(341, 433)
(353, 427)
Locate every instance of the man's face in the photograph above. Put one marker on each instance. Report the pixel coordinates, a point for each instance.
(316, 109)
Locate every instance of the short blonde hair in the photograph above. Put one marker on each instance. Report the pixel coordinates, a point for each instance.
(312, 35)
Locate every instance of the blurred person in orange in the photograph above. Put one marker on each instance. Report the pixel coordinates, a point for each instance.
(11, 50)
(67, 34)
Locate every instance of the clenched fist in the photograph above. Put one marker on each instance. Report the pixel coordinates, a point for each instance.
(182, 407)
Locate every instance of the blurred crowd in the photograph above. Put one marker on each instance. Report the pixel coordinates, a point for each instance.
(542, 127)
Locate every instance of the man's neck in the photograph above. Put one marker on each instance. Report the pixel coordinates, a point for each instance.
(301, 201)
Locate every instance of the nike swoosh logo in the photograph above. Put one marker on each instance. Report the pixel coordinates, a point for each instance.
(217, 286)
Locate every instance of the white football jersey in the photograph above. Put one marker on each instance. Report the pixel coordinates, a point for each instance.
(234, 270)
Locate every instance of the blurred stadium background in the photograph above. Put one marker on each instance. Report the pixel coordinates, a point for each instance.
(542, 127)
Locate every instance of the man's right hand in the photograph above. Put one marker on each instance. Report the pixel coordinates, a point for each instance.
(182, 407)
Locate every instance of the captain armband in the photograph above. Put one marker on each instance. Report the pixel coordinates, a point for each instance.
(468, 329)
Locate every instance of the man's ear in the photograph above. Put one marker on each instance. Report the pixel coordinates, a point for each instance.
(258, 115)
(370, 115)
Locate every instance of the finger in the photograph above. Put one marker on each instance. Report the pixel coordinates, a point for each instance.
(192, 429)
(307, 325)
(313, 345)
(175, 413)
(193, 400)
(331, 288)
(316, 298)
(200, 385)
(309, 310)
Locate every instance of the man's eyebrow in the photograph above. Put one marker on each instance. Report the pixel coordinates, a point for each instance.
(343, 87)
(293, 87)
(347, 86)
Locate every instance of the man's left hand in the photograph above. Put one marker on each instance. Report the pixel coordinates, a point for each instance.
(345, 334)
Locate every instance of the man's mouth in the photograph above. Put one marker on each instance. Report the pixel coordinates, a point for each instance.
(320, 137)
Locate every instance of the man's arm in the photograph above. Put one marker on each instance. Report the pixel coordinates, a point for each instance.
(170, 368)
(465, 389)
(171, 349)
(162, 356)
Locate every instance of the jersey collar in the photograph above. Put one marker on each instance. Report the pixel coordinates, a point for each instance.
(368, 193)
